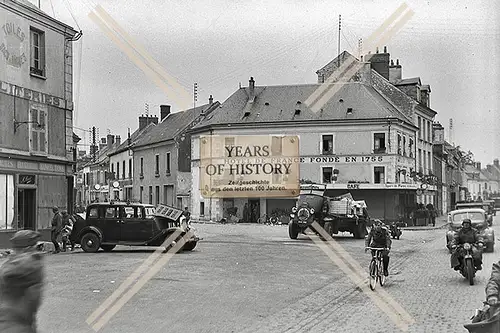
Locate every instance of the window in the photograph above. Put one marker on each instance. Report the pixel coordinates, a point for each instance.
(420, 158)
(379, 142)
(400, 149)
(419, 127)
(429, 133)
(37, 43)
(130, 169)
(129, 212)
(117, 170)
(142, 166)
(38, 130)
(150, 195)
(157, 196)
(327, 173)
(112, 212)
(167, 163)
(7, 202)
(141, 192)
(410, 148)
(327, 144)
(93, 213)
(429, 159)
(404, 145)
(157, 165)
(113, 168)
(379, 175)
(179, 203)
(202, 208)
(123, 169)
(424, 161)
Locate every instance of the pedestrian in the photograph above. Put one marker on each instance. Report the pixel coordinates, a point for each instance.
(187, 215)
(56, 229)
(67, 226)
(21, 286)
(246, 213)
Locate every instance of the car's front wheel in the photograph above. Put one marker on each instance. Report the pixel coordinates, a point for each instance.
(90, 242)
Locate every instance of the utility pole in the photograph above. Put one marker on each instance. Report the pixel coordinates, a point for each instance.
(340, 26)
(93, 144)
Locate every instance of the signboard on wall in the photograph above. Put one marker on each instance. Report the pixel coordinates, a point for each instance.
(245, 166)
(13, 43)
(27, 179)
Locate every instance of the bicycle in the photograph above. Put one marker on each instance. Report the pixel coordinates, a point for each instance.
(376, 267)
(263, 219)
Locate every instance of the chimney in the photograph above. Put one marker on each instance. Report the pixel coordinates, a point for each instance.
(110, 140)
(380, 62)
(478, 166)
(251, 88)
(210, 100)
(425, 95)
(145, 120)
(164, 112)
(118, 140)
(495, 161)
(489, 167)
(395, 71)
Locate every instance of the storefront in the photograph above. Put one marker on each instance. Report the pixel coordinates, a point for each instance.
(29, 190)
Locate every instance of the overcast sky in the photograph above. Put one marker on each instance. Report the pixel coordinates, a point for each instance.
(451, 45)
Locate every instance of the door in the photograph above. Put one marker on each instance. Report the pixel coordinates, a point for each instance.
(26, 203)
(135, 227)
(254, 209)
(168, 195)
(111, 224)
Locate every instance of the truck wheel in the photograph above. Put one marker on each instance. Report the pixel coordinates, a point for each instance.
(90, 242)
(293, 230)
(329, 228)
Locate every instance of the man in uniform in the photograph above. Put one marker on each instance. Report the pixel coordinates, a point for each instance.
(467, 234)
(380, 236)
(56, 228)
(21, 284)
(25, 241)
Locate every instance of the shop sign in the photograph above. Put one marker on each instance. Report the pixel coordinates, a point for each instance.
(51, 167)
(27, 179)
(249, 166)
(27, 165)
(345, 159)
(31, 95)
(7, 164)
(12, 46)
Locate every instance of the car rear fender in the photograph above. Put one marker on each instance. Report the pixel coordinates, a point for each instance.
(90, 229)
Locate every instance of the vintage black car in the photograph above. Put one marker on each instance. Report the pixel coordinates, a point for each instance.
(309, 208)
(109, 224)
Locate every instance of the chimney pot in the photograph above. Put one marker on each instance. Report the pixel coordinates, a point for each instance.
(392, 62)
(377, 49)
(251, 87)
(361, 58)
(397, 62)
(210, 100)
(385, 49)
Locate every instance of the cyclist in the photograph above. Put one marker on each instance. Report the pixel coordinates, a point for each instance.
(380, 236)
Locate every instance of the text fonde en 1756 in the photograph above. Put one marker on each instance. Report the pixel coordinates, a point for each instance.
(246, 166)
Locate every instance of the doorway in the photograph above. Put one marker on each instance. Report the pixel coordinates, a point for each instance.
(26, 206)
(254, 210)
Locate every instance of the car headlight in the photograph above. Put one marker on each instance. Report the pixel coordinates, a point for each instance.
(312, 210)
(294, 209)
(467, 246)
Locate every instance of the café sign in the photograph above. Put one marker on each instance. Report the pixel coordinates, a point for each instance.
(12, 46)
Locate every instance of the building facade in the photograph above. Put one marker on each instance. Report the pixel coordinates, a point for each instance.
(359, 133)
(36, 155)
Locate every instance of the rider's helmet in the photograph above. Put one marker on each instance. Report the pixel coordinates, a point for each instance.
(466, 223)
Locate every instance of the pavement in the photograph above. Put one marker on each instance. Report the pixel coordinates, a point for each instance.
(252, 278)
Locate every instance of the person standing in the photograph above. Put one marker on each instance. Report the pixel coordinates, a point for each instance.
(21, 285)
(56, 228)
(67, 226)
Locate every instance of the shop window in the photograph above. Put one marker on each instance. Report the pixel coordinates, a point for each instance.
(327, 173)
(327, 144)
(38, 129)
(7, 202)
(37, 44)
(379, 175)
(379, 143)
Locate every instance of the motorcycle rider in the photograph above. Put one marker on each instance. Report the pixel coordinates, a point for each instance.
(467, 234)
(380, 236)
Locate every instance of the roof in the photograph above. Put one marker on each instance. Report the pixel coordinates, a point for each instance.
(134, 137)
(408, 81)
(172, 125)
(279, 103)
(334, 64)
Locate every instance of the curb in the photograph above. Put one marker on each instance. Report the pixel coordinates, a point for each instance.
(425, 228)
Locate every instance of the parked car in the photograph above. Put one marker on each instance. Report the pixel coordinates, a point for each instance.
(109, 224)
(481, 205)
(479, 221)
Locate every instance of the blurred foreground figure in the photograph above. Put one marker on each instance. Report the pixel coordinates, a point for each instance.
(21, 285)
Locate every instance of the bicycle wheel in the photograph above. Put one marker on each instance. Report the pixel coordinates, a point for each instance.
(373, 274)
(261, 220)
(381, 278)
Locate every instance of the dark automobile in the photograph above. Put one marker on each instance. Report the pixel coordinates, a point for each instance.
(109, 224)
(308, 209)
(480, 205)
(478, 218)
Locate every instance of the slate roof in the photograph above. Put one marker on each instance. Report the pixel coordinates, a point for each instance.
(171, 126)
(134, 137)
(279, 103)
(334, 64)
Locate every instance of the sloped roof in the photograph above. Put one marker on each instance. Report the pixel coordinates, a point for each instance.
(278, 103)
(408, 81)
(171, 126)
(134, 137)
(334, 64)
